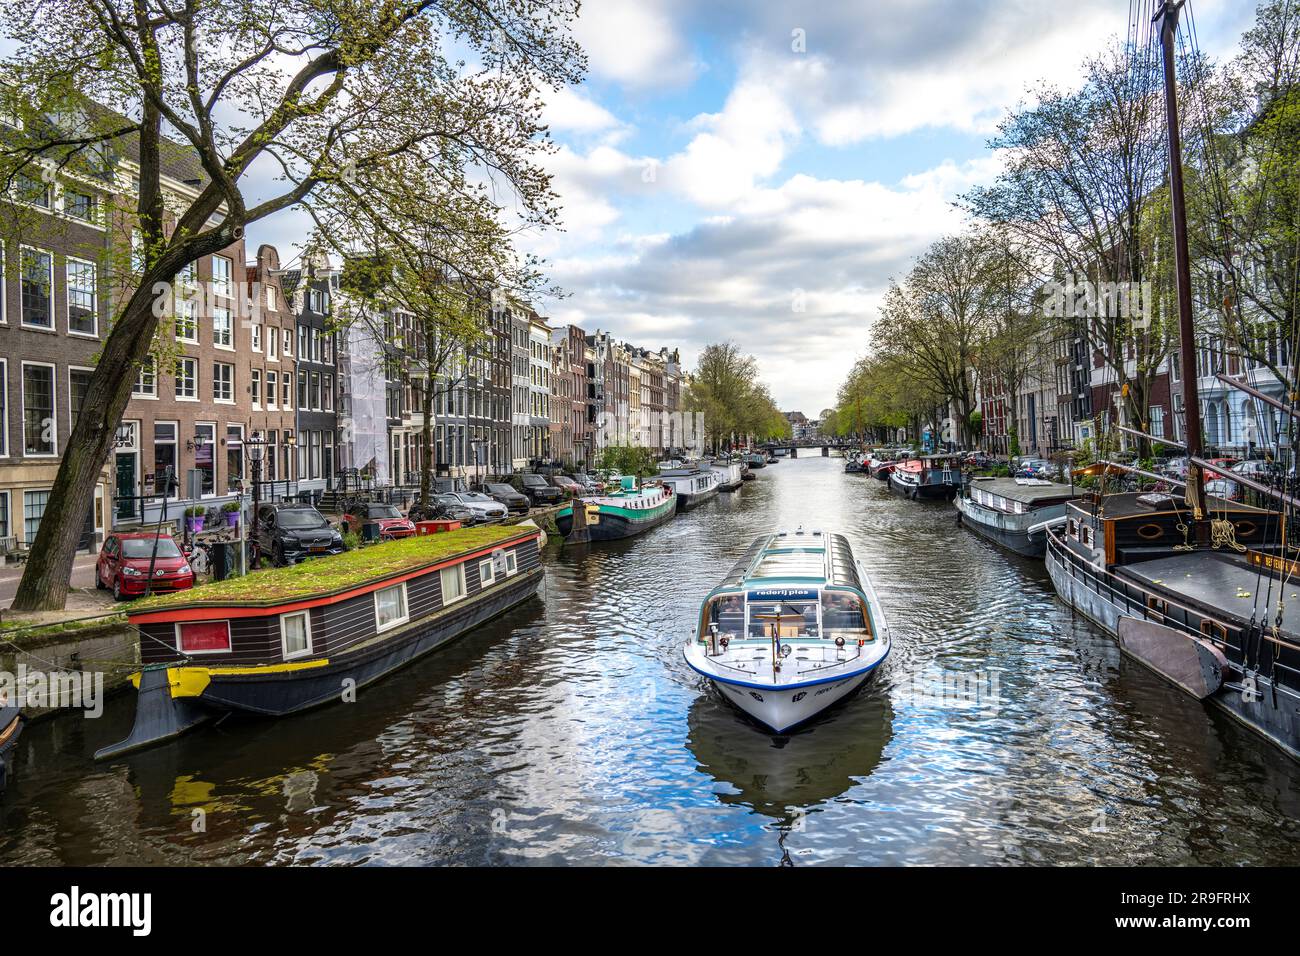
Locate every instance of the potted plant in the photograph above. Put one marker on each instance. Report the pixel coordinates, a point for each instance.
(231, 511)
(194, 518)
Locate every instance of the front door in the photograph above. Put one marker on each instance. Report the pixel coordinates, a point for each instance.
(125, 487)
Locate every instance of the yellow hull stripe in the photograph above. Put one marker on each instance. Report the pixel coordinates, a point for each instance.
(193, 681)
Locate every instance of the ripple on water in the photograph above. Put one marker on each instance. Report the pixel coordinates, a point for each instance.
(1000, 730)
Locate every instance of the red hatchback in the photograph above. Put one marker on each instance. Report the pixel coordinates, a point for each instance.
(125, 559)
(392, 524)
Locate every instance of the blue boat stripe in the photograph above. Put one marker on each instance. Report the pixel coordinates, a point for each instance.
(777, 687)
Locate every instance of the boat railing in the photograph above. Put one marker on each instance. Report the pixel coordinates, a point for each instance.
(1100, 583)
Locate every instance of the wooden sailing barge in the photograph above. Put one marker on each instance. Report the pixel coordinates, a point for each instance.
(284, 640)
(1200, 591)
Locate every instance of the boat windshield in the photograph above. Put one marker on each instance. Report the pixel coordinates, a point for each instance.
(728, 612)
(842, 615)
(793, 618)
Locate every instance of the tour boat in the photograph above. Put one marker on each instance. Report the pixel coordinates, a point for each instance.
(795, 627)
(1220, 619)
(933, 476)
(287, 639)
(854, 464)
(1014, 512)
(628, 511)
(731, 474)
(756, 460)
(692, 483)
(11, 726)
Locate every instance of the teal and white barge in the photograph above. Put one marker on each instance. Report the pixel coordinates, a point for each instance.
(794, 628)
(629, 511)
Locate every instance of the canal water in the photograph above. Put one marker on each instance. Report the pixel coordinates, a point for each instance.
(1001, 730)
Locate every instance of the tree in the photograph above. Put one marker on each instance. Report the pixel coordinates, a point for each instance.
(1244, 195)
(725, 387)
(341, 97)
(1082, 171)
(932, 325)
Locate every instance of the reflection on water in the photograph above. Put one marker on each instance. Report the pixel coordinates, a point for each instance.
(1000, 730)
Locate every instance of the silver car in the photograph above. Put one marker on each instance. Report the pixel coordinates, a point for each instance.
(485, 509)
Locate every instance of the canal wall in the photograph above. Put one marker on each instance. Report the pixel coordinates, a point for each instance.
(105, 645)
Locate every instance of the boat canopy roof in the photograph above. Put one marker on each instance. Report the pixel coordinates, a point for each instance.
(824, 557)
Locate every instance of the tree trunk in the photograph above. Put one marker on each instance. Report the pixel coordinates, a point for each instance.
(426, 452)
(47, 576)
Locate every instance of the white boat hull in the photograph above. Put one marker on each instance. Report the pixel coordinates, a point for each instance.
(786, 703)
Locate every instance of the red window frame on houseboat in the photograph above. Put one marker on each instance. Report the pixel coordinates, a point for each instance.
(213, 637)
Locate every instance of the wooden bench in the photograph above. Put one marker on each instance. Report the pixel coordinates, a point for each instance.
(10, 549)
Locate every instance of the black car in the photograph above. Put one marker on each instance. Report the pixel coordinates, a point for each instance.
(539, 490)
(290, 533)
(513, 500)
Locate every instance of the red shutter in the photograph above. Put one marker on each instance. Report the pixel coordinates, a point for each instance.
(205, 636)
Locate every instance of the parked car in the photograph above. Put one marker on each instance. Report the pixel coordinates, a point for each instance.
(289, 533)
(486, 509)
(592, 485)
(502, 492)
(124, 561)
(449, 507)
(392, 523)
(539, 490)
(1031, 467)
(1224, 488)
(1223, 464)
(1174, 468)
(1257, 468)
(568, 485)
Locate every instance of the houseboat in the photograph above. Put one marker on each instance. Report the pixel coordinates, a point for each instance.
(932, 476)
(792, 629)
(756, 459)
(629, 511)
(11, 726)
(1014, 512)
(1217, 617)
(731, 473)
(881, 462)
(288, 639)
(692, 484)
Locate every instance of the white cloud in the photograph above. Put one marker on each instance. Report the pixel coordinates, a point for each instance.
(635, 43)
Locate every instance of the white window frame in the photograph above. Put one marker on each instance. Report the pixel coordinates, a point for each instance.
(225, 286)
(272, 390)
(406, 608)
(512, 563)
(488, 579)
(94, 295)
(180, 360)
(215, 379)
(54, 321)
(229, 328)
(459, 570)
(255, 332)
(137, 390)
(54, 409)
(255, 387)
(191, 309)
(230, 639)
(284, 647)
(4, 413)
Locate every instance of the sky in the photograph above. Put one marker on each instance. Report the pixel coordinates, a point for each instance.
(758, 171)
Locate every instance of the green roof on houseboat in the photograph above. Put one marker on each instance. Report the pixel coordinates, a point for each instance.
(335, 573)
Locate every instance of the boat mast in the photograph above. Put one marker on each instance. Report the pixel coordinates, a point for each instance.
(1168, 17)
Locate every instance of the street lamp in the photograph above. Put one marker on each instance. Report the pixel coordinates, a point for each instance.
(255, 448)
